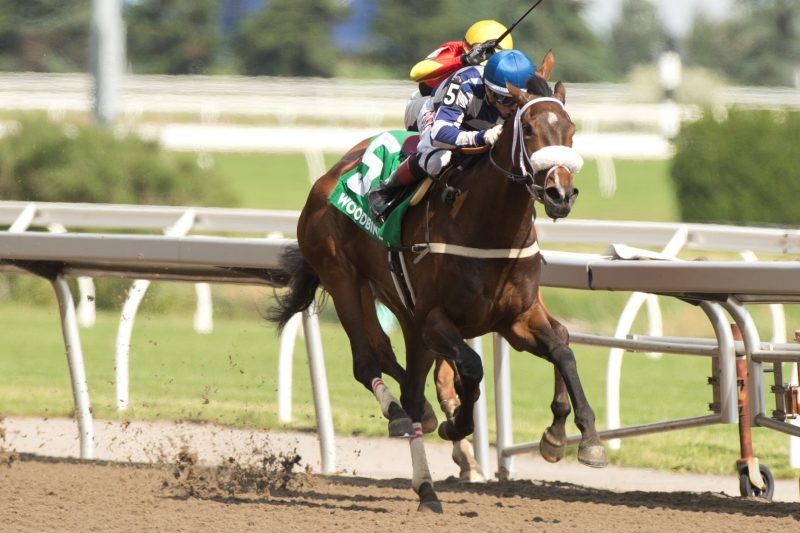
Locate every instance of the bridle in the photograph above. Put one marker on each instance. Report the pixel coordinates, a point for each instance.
(548, 158)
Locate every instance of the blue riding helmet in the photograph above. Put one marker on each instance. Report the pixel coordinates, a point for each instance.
(510, 66)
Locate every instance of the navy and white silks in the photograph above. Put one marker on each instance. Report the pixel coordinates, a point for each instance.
(455, 116)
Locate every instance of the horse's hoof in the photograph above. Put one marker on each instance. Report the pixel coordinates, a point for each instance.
(429, 420)
(464, 456)
(447, 431)
(428, 502)
(551, 447)
(430, 507)
(401, 428)
(593, 455)
(471, 476)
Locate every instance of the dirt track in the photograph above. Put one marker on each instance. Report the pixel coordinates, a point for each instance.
(272, 491)
(71, 496)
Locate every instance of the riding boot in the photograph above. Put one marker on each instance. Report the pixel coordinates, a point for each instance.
(385, 194)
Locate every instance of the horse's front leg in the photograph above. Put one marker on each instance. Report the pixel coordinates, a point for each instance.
(463, 453)
(441, 336)
(554, 439)
(538, 333)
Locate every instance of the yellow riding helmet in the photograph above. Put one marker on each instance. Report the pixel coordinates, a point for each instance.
(483, 30)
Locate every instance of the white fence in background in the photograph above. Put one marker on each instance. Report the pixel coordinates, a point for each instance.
(356, 108)
(291, 99)
(254, 260)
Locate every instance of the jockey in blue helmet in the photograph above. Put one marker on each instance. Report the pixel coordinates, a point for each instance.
(467, 110)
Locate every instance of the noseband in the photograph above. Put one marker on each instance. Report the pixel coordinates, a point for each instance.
(549, 157)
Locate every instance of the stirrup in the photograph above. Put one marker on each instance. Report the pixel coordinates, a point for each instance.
(381, 206)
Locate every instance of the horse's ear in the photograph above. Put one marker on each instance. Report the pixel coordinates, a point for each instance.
(516, 93)
(547, 65)
(560, 92)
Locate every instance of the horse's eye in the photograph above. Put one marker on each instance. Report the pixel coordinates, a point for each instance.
(527, 129)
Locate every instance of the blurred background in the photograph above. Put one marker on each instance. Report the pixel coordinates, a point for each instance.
(687, 110)
(744, 42)
(647, 80)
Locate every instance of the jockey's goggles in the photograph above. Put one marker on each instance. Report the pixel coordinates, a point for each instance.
(503, 99)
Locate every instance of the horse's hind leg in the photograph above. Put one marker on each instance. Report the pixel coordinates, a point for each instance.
(542, 335)
(441, 336)
(554, 439)
(463, 454)
(347, 298)
(382, 348)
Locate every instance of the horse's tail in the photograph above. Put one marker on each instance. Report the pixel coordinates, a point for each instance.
(302, 285)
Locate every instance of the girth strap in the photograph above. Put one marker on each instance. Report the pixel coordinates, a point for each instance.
(477, 253)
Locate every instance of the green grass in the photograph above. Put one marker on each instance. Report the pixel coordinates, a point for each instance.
(644, 192)
(230, 376)
(265, 181)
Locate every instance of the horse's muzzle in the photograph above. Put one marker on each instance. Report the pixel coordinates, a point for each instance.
(556, 204)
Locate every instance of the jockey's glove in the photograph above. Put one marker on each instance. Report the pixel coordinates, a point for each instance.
(492, 134)
(479, 53)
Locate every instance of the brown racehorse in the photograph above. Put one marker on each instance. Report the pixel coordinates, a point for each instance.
(477, 271)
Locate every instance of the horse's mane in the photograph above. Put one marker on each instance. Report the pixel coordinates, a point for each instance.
(538, 85)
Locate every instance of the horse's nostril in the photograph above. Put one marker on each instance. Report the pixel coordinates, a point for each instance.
(554, 194)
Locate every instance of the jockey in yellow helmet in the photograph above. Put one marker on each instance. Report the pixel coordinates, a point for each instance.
(453, 55)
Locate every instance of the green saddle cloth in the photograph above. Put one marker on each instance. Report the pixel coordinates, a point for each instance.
(380, 159)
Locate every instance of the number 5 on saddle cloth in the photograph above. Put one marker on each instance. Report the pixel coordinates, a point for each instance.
(382, 156)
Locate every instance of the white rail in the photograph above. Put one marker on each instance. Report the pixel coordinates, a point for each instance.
(707, 237)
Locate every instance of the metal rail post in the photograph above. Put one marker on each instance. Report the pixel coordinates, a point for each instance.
(77, 370)
(288, 338)
(727, 360)
(745, 428)
(502, 405)
(752, 343)
(319, 387)
(480, 437)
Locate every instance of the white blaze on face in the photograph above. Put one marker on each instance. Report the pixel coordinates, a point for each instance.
(552, 118)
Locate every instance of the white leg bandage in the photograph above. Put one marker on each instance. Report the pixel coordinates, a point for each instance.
(383, 395)
(419, 463)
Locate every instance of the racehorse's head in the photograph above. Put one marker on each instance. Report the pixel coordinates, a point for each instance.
(542, 142)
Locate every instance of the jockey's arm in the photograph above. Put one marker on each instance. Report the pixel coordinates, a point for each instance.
(447, 133)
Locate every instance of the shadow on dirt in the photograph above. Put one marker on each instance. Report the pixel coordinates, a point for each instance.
(568, 492)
